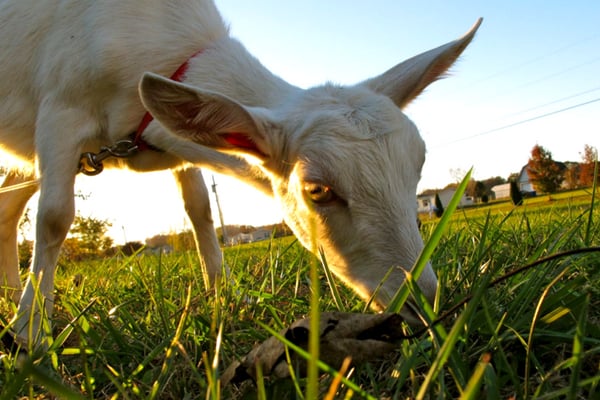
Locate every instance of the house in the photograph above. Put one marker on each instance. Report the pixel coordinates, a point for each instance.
(501, 191)
(527, 187)
(162, 249)
(251, 237)
(426, 200)
(524, 182)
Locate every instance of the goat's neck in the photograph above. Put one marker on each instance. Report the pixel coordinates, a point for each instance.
(226, 67)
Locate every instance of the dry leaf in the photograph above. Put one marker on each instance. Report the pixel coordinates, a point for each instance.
(363, 337)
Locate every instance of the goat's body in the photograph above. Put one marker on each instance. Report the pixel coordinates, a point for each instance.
(89, 56)
(69, 76)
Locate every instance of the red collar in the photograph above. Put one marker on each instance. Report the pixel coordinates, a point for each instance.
(177, 76)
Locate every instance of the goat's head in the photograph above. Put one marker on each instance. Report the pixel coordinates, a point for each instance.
(343, 161)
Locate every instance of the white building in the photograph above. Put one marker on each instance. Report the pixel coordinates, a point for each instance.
(501, 191)
(255, 236)
(426, 200)
(524, 183)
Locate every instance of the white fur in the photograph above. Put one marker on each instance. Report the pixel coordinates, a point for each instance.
(69, 73)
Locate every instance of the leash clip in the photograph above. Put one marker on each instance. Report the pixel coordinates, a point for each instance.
(91, 164)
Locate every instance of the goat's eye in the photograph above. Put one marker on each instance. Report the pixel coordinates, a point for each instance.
(319, 193)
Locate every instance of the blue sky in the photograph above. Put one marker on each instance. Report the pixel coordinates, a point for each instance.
(526, 54)
(531, 60)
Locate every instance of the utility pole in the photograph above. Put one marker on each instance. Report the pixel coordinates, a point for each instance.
(224, 233)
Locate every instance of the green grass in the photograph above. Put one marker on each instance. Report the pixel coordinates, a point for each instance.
(145, 327)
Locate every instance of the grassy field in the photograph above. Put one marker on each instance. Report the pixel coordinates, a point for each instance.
(145, 326)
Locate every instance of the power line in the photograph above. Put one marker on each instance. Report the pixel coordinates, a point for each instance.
(555, 101)
(535, 59)
(558, 73)
(520, 122)
(509, 90)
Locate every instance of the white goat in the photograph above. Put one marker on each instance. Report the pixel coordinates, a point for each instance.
(345, 160)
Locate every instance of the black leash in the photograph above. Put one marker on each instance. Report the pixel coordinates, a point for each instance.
(503, 278)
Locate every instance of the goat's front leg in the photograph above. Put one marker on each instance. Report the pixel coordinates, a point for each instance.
(197, 205)
(12, 205)
(58, 136)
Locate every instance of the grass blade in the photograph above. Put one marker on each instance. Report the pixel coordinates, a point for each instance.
(578, 349)
(335, 293)
(312, 386)
(472, 389)
(402, 294)
(529, 345)
(588, 230)
(453, 336)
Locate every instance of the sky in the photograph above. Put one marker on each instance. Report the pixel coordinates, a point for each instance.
(529, 77)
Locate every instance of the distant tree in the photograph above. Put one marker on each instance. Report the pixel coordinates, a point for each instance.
(457, 174)
(157, 240)
(513, 177)
(515, 194)
(545, 174)
(247, 228)
(182, 241)
(279, 230)
(493, 181)
(571, 175)
(476, 189)
(481, 190)
(131, 248)
(88, 238)
(586, 172)
(470, 190)
(489, 183)
(25, 223)
(25, 250)
(439, 207)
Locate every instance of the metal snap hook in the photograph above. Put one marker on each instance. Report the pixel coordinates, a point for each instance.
(91, 163)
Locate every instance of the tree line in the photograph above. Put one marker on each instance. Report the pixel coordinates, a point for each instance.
(88, 239)
(549, 176)
(545, 174)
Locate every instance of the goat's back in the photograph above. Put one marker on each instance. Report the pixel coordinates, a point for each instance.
(91, 55)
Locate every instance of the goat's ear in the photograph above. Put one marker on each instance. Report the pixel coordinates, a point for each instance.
(407, 80)
(204, 117)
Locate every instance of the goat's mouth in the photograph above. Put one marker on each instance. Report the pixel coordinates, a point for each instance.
(412, 315)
